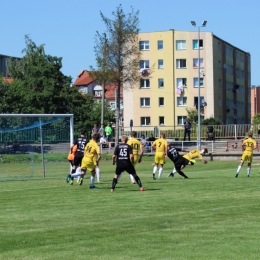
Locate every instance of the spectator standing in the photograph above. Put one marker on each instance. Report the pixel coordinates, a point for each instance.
(95, 129)
(187, 127)
(143, 140)
(101, 130)
(151, 139)
(108, 131)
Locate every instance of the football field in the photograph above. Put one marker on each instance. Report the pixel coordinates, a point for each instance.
(211, 215)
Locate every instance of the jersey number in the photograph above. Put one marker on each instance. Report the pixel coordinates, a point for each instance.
(123, 152)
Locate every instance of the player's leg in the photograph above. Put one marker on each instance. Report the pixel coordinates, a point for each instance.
(135, 162)
(92, 179)
(240, 165)
(250, 158)
(156, 161)
(98, 173)
(171, 174)
(131, 170)
(118, 172)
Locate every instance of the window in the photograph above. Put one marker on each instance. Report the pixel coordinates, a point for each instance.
(219, 47)
(161, 120)
(196, 102)
(112, 105)
(160, 45)
(181, 101)
(181, 82)
(195, 63)
(195, 82)
(181, 120)
(145, 121)
(160, 83)
(180, 63)
(144, 64)
(144, 102)
(161, 101)
(195, 44)
(181, 45)
(144, 45)
(98, 93)
(160, 64)
(144, 83)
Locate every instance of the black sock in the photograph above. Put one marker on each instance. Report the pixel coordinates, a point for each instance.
(182, 174)
(138, 181)
(114, 182)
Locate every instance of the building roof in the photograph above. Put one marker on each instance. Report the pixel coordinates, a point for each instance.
(83, 79)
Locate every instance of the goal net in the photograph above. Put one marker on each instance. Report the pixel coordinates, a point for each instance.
(34, 145)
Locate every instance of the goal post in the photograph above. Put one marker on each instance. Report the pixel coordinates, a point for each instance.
(35, 145)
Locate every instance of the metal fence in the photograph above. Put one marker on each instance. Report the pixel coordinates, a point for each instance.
(177, 133)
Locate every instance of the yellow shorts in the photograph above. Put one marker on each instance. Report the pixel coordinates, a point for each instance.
(159, 158)
(247, 157)
(88, 165)
(136, 158)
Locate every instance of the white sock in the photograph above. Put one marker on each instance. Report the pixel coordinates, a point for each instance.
(132, 178)
(119, 177)
(239, 168)
(160, 173)
(154, 169)
(76, 175)
(248, 171)
(174, 170)
(92, 181)
(98, 173)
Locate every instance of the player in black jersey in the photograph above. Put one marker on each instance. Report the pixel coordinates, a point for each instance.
(81, 143)
(124, 158)
(179, 161)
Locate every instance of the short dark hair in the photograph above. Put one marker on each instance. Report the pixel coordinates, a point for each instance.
(83, 131)
(95, 137)
(133, 134)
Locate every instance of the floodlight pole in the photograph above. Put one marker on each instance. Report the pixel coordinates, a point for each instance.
(199, 124)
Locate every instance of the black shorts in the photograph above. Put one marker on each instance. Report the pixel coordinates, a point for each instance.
(179, 162)
(78, 159)
(130, 169)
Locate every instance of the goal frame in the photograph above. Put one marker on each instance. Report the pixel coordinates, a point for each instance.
(71, 117)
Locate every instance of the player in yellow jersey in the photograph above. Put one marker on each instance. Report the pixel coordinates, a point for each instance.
(90, 160)
(137, 148)
(193, 154)
(160, 146)
(248, 145)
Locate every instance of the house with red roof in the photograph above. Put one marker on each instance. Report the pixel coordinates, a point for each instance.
(86, 84)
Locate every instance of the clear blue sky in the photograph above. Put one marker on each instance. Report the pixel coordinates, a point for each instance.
(67, 27)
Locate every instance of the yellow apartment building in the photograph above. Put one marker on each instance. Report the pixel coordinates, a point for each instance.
(169, 84)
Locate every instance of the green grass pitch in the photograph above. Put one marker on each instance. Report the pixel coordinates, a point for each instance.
(211, 215)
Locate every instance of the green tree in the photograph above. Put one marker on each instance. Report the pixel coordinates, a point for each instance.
(256, 119)
(119, 49)
(211, 121)
(192, 114)
(39, 86)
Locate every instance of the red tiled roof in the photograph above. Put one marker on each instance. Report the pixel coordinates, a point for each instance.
(83, 79)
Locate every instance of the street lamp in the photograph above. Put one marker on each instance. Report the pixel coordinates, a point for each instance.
(202, 25)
